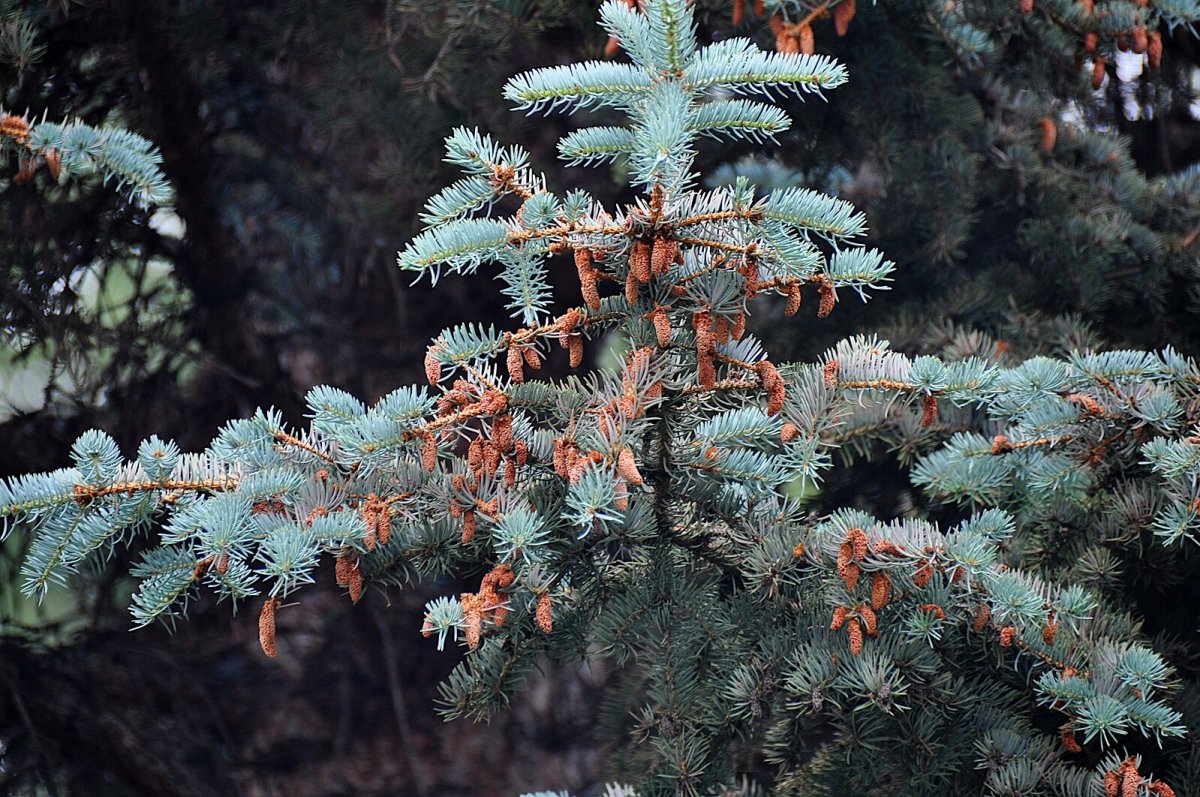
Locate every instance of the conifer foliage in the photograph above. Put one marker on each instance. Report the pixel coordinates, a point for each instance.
(1094, 219)
(74, 148)
(643, 514)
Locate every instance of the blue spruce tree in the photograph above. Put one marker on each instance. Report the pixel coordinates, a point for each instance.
(646, 513)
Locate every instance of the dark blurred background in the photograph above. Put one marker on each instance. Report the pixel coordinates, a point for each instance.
(301, 139)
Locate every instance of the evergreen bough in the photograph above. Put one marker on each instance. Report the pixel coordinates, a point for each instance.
(75, 148)
(642, 514)
(1066, 197)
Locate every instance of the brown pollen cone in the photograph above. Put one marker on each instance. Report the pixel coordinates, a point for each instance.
(1098, 72)
(1069, 742)
(794, 298)
(433, 367)
(1131, 780)
(516, 364)
(468, 529)
(982, 615)
(639, 261)
(749, 272)
(662, 326)
(429, 453)
(383, 523)
(631, 287)
(843, 13)
(343, 565)
(1049, 134)
(881, 589)
(502, 433)
(784, 42)
(839, 618)
(805, 40)
(739, 325)
(830, 374)
(847, 569)
(929, 410)
(721, 329)
(575, 347)
(354, 583)
(266, 626)
(855, 632)
(828, 300)
(627, 467)
(1154, 50)
(544, 614)
(587, 279)
(772, 383)
(663, 255)
(1140, 40)
(1050, 630)
(858, 542)
(869, 619)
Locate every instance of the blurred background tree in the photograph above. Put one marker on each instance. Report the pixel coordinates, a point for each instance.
(1029, 211)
